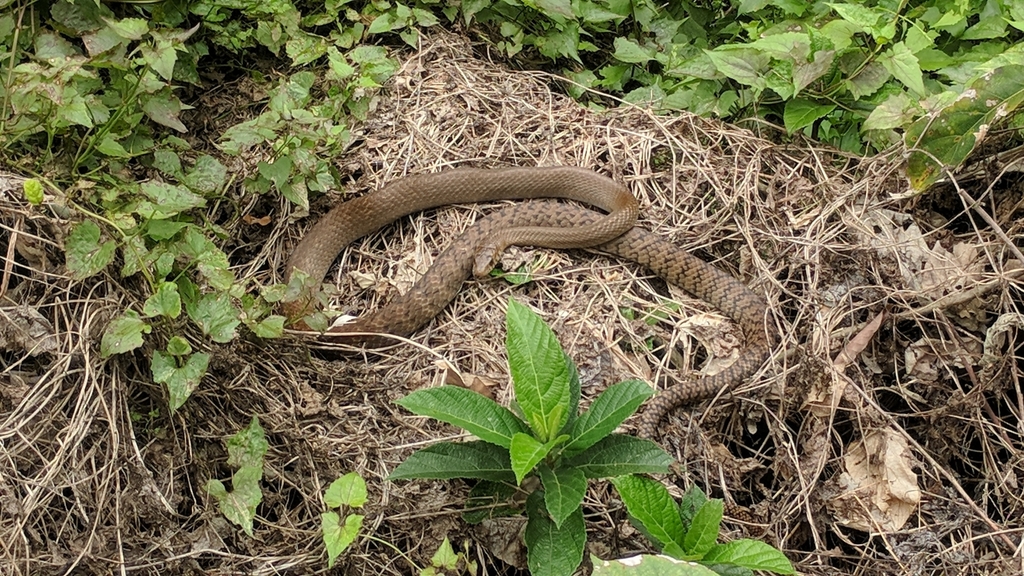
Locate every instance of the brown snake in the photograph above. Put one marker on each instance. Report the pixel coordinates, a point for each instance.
(538, 224)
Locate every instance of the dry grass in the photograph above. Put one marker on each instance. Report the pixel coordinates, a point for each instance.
(95, 477)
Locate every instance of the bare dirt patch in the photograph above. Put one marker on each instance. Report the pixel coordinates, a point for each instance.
(883, 437)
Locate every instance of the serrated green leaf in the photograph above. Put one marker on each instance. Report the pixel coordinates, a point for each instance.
(801, 113)
(564, 489)
(742, 64)
(85, 255)
(163, 108)
(217, 317)
(619, 455)
(704, 528)
(445, 557)
(248, 446)
(692, 501)
(627, 50)
(750, 554)
(555, 9)
(903, 65)
(481, 460)
(338, 537)
(123, 334)
(207, 176)
(168, 199)
(164, 302)
(270, 327)
(652, 506)
(609, 410)
(553, 550)
(161, 57)
(525, 452)
(349, 490)
(539, 371)
(466, 409)
(181, 381)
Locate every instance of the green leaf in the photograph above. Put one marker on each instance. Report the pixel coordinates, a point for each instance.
(865, 18)
(270, 327)
(618, 455)
(743, 65)
(349, 490)
(108, 146)
(691, 502)
(245, 451)
(167, 200)
(207, 176)
(337, 536)
(181, 381)
(33, 191)
(161, 57)
(704, 528)
(609, 410)
(178, 346)
(248, 446)
(163, 108)
(525, 453)
(947, 137)
(801, 113)
(564, 489)
(902, 64)
(211, 260)
(652, 506)
(555, 9)
(627, 50)
(85, 255)
(481, 460)
(123, 334)
(539, 371)
(466, 409)
(445, 557)
(216, 316)
(750, 554)
(164, 302)
(553, 550)
(893, 112)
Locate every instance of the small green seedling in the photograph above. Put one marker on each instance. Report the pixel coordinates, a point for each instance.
(542, 454)
(349, 492)
(246, 450)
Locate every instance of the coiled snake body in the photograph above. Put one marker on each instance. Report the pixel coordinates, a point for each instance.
(544, 224)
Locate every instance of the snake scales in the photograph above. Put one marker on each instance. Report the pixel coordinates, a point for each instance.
(544, 224)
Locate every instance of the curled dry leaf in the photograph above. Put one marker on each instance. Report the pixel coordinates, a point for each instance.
(927, 359)
(879, 487)
(857, 344)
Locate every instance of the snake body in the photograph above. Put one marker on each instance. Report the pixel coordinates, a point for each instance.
(534, 223)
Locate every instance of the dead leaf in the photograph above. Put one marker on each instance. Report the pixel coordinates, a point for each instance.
(261, 221)
(857, 344)
(25, 329)
(880, 488)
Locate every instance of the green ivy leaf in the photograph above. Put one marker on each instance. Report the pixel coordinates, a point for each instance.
(337, 536)
(163, 108)
(349, 490)
(123, 334)
(181, 381)
(164, 302)
(481, 460)
(85, 255)
(801, 113)
(466, 409)
(207, 176)
(216, 316)
(902, 64)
